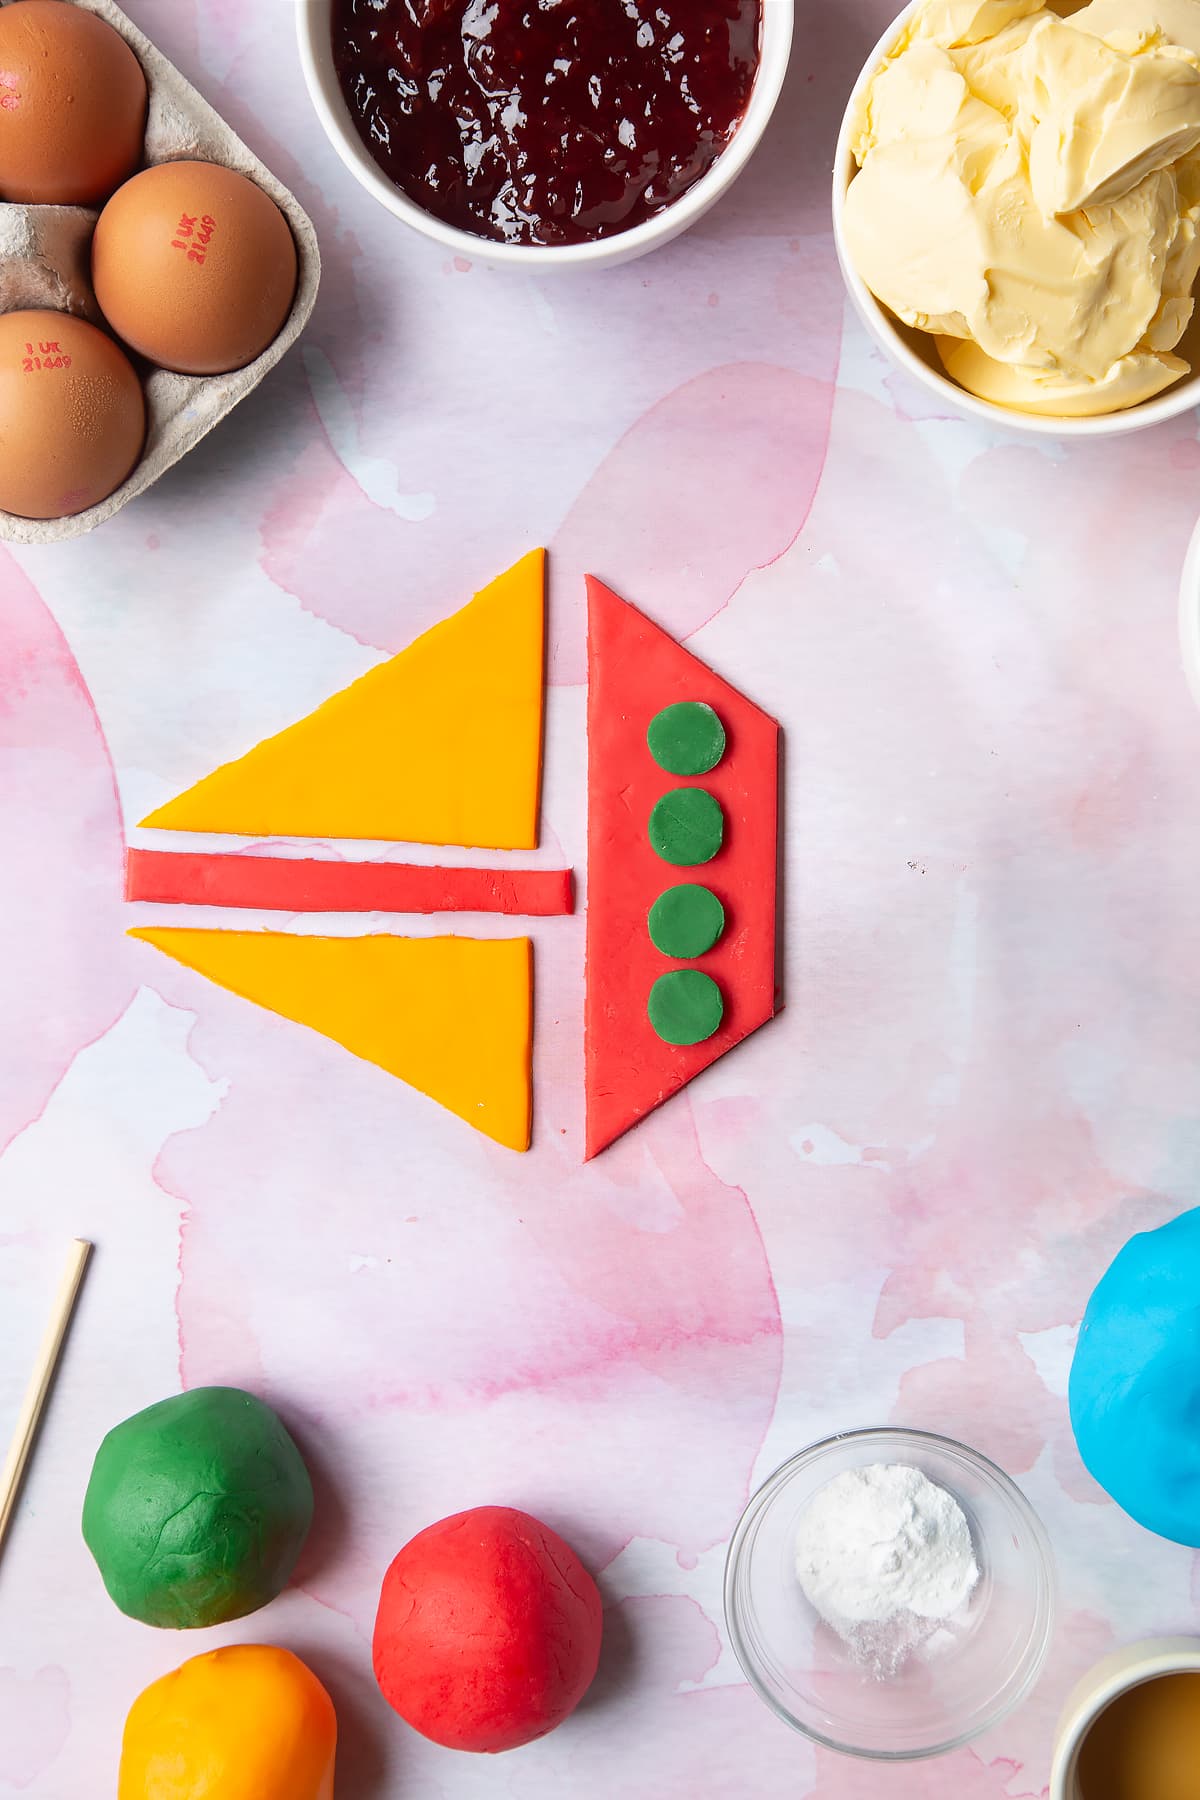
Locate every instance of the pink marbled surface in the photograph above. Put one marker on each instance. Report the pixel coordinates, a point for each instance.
(889, 1206)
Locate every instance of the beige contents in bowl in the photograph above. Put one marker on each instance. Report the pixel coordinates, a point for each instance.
(1028, 192)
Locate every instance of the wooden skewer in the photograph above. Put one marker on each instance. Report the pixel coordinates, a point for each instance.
(37, 1393)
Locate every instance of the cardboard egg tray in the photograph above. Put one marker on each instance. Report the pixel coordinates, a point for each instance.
(45, 255)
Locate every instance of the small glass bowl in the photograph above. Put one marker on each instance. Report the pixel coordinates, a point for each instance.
(962, 1680)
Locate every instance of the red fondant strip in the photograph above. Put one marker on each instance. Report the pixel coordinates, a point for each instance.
(635, 669)
(281, 884)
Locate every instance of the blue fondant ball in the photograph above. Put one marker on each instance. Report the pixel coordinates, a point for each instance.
(1135, 1380)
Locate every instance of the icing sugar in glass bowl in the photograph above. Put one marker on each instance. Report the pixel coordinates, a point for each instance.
(962, 1678)
(619, 228)
(886, 1557)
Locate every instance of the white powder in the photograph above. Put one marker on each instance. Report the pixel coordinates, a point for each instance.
(885, 1556)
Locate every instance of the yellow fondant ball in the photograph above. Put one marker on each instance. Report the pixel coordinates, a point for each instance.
(247, 1723)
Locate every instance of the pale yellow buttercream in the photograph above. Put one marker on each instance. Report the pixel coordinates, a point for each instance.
(1030, 186)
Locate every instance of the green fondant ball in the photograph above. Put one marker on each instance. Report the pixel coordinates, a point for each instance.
(197, 1509)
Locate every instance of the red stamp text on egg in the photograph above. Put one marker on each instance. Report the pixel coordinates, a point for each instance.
(45, 355)
(193, 235)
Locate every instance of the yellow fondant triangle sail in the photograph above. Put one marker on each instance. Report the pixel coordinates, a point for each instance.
(441, 745)
(450, 1016)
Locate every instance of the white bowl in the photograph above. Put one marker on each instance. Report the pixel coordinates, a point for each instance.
(915, 351)
(316, 56)
(1105, 1683)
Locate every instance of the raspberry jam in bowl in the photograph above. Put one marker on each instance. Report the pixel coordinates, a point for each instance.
(546, 131)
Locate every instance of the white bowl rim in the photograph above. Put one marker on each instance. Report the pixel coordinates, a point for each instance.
(1131, 1667)
(316, 58)
(1182, 398)
(902, 1435)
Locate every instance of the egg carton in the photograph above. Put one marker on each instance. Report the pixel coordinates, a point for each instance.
(45, 257)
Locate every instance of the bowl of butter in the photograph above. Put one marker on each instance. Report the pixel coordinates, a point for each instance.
(1017, 208)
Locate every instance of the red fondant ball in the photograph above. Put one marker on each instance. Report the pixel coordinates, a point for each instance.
(488, 1632)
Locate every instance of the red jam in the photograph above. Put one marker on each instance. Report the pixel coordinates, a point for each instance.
(546, 121)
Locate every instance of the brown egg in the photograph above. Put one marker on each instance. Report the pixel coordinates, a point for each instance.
(72, 105)
(194, 267)
(72, 415)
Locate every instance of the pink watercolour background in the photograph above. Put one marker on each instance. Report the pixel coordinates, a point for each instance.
(891, 1205)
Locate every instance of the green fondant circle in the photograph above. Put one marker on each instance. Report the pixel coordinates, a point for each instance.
(686, 921)
(686, 827)
(685, 1006)
(197, 1509)
(687, 738)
